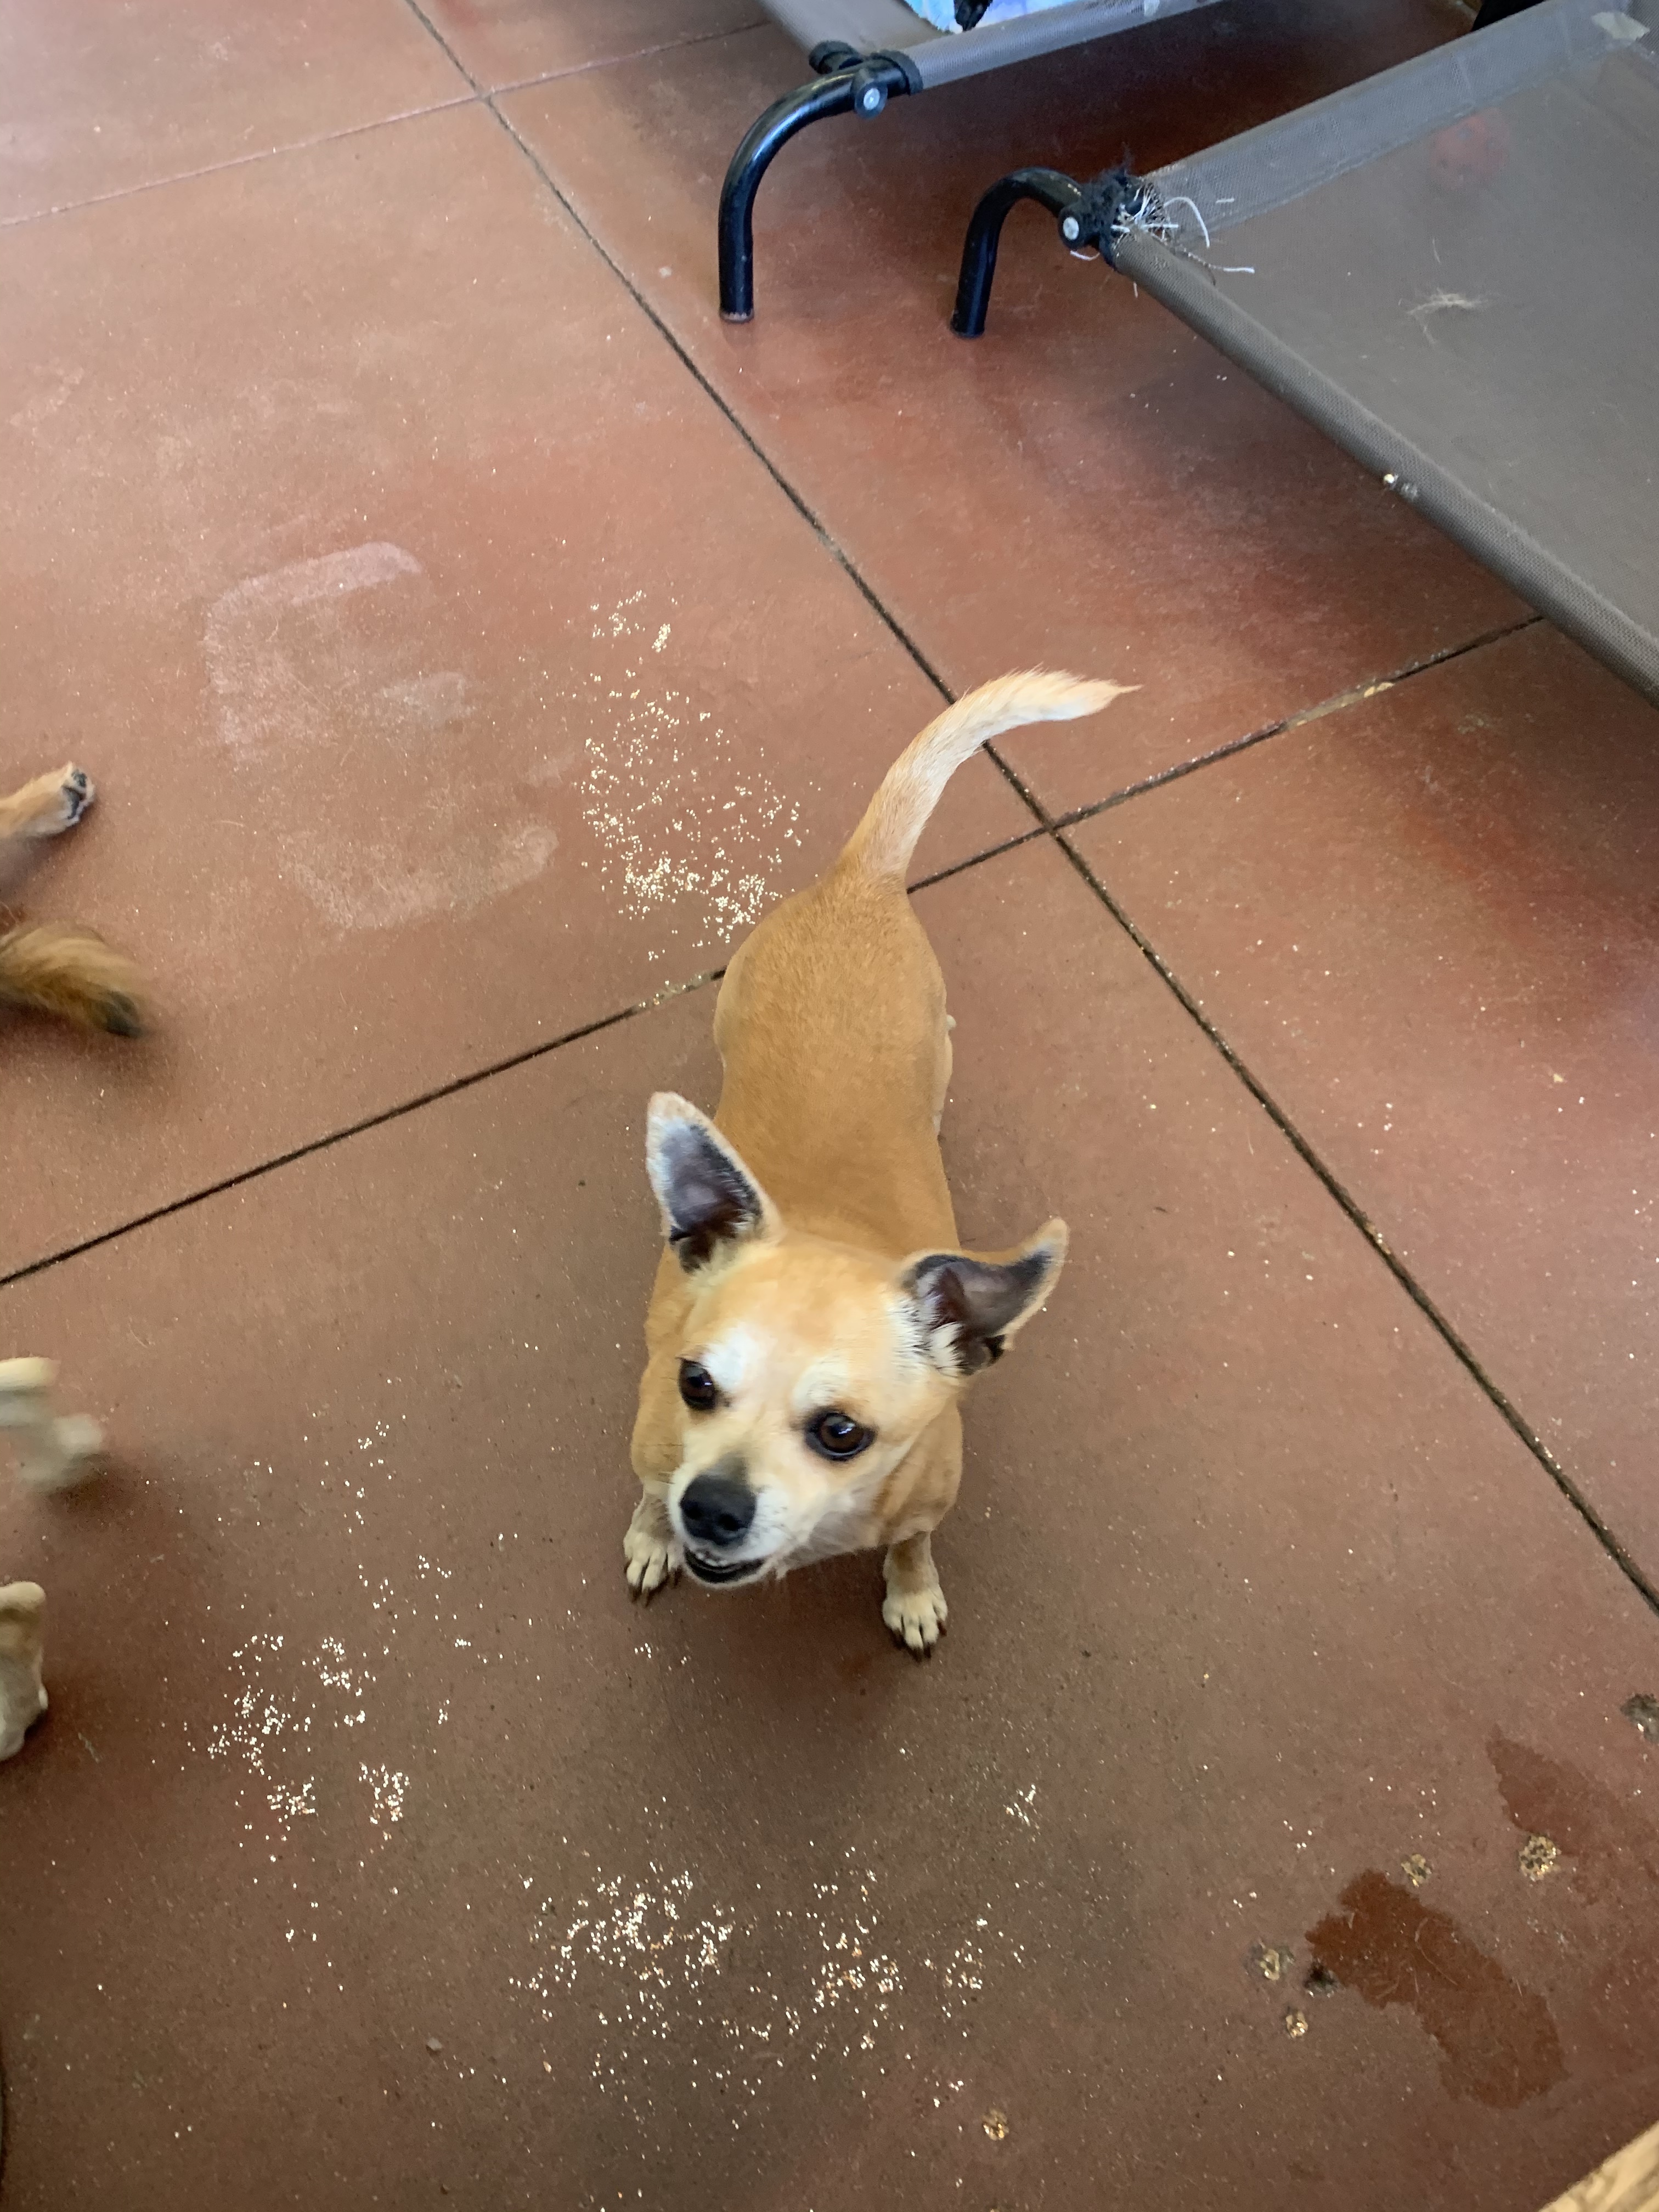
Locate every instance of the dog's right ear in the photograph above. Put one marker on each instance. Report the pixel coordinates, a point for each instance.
(968, 1305)
(708, 1198)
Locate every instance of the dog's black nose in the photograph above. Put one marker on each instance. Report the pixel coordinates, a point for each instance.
(717, 1508)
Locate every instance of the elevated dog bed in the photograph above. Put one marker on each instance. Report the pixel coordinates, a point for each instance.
(968, 14)
(865, 53)
(1453, 270)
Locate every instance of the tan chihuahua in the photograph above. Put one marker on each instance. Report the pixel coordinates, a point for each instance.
(814, 1322)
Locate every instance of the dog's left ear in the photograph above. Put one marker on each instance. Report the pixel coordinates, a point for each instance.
(708, 1198)
(968, 1308)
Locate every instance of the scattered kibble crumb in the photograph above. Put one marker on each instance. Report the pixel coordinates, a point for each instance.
(1271, 1960)
(1537, 1857)
(995, 2124)
(1416, 1869)
(1295, 2023)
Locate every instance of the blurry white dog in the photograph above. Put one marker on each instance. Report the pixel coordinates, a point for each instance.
(54, 1451)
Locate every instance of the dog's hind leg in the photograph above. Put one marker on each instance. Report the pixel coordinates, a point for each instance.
(945, 1062)
(46, 967)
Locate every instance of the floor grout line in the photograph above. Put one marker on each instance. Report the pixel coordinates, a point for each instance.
(575, 69)
(1338, 702)
(399, 1112)
(439, 40)
(1373, 1236)
(477, 93)
(242, 161)
(954, 868)
(844, 560)
(616, 61)
(438, 1092)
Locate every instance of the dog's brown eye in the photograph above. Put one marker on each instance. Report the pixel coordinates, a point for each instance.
(837, 1436)
(698, 1387)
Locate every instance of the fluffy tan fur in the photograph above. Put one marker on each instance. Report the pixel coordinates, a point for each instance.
(813, 1266)
(58, 968)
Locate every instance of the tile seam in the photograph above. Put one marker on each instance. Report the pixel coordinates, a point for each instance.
(1374, 1239)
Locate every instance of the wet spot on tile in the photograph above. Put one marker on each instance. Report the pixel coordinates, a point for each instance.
(1498, 2043)
(1611, 1846)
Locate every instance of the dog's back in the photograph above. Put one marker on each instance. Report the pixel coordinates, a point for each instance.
(831, 1020)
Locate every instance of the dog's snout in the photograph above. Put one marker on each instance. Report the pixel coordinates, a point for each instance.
(718, 1507)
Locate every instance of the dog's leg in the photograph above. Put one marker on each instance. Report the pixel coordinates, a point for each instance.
(49, 967)
(945, 1061)
(48, 807)
(915, 1609)
(54, 1452)
(650, 1547)
(22, 1698)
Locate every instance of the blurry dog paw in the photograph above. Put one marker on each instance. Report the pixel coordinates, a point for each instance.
(51, 804)
(650, 1548)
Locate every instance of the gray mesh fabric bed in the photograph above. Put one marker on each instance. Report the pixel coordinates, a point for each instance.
(865, 53)
(1453, 270)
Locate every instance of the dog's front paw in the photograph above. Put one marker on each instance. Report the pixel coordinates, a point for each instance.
(49, 805)
(915, 1609)
(75, 793)
(650, 1548)
(58, 801)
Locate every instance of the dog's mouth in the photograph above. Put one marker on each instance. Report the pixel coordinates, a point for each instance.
(722, 1571)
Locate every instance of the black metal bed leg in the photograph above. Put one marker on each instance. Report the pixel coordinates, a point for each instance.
(1050, 188)
(862, 86)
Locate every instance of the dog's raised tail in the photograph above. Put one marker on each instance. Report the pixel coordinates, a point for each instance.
(53, 968)
(882, 844)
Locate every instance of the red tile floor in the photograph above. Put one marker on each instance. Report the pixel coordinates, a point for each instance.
(470, 635)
